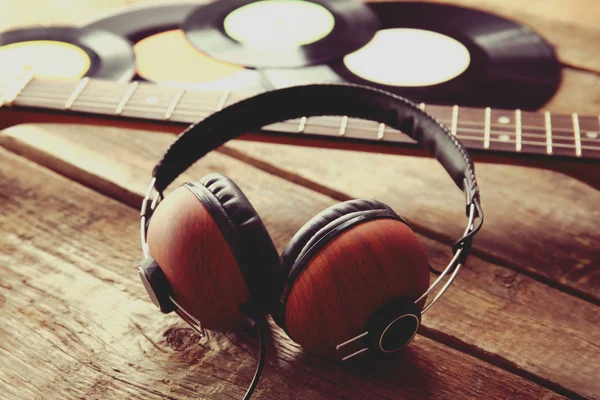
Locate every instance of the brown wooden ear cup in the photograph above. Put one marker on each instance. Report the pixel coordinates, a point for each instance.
(343, 265)
(214, 250)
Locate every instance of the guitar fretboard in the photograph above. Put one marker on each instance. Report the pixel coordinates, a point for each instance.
(483, 129)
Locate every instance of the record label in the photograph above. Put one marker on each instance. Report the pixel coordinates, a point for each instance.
(279, 24)
(44, 58)
(280, 33)
(383, 60)
(165, 56)
(168, 58)
(67, 52)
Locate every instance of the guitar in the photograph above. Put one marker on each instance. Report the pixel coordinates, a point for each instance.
(564, 143)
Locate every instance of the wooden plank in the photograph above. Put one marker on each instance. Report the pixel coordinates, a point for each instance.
(77, 324)
(578, 92)
(538, 341)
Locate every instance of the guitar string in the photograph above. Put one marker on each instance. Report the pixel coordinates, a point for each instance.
(136, 106)
(143, 106)
(401, 138)
(291, 124)
(144, 86)
(96, 106)
(203, 94)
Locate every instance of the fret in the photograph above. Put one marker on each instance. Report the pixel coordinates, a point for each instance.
(126, 98)
(577, 134)
(361, 129)
(343, 126)
(22, 85)
(548, 125)
(174, 103)
(589, 128)
(77, 92)
(99, 97)
(493, 136)
(518, 132)
(486, 128)
(533, 142)
(302, 125)
(223, 100)
(380, 131)
(454, 123)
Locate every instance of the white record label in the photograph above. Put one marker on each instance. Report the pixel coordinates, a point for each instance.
(407, 57)
(46, 58)
(279, 24)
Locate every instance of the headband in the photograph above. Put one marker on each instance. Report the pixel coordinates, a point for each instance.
(316, 100)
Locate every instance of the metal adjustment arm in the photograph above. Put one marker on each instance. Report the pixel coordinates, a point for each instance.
(149, 204)
(454, 263)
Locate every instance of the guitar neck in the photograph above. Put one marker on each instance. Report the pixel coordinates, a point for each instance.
(499, 131)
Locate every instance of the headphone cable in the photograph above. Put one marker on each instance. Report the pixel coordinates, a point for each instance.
(259, 324)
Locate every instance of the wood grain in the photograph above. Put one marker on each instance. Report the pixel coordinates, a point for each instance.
(195, 257)
(540, 341)
(421, 190)
(77, 324)
(352, 276)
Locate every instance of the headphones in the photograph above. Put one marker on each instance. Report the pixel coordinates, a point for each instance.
(354, 278)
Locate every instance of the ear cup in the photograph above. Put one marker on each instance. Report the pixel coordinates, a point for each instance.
(344, 264)
(214, 250)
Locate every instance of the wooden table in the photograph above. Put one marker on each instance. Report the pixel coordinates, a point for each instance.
(522, 320)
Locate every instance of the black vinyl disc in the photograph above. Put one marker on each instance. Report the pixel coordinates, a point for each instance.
(354, 25)
(510, 65)
(110, 55)
(139, 23)
(156, 29)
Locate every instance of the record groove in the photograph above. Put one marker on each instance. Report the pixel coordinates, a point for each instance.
(163, 59)
(354, 25)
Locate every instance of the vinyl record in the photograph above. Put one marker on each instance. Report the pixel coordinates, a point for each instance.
(139, 23)
(165, 56)
(280, 33)
(66, 52)
(443, 54)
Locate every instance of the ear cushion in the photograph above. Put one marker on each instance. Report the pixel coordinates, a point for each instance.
(245, 232)
(329, 218)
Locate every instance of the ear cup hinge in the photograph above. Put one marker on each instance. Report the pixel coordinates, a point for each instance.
(161, 294)
(391, 327)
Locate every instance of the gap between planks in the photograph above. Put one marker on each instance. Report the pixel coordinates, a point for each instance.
(44, 186)
(454, 343)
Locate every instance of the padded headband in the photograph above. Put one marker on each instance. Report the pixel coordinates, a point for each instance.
(315, 100)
